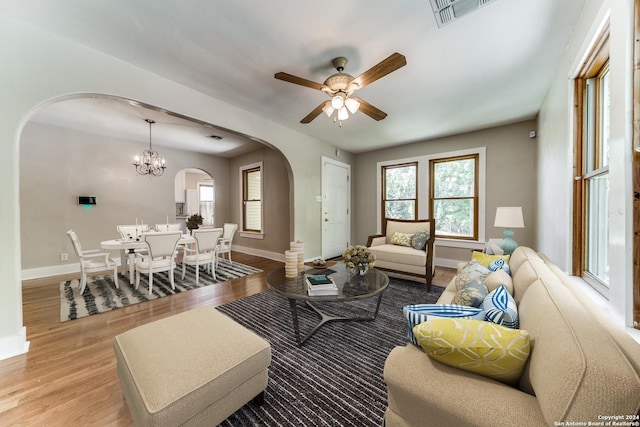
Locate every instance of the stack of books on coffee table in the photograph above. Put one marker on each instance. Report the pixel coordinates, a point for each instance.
(320, 285)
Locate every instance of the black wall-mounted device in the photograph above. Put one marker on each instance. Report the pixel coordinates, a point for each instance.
(87, 200)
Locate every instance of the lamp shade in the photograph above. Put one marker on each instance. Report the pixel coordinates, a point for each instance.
(509, 217)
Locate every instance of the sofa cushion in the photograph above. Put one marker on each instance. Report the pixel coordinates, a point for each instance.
(419, 240)
(519, 256)
(402, 239)
(498, 278)
(418, 313)
(500, 307)
(476, 346)
(399, 255)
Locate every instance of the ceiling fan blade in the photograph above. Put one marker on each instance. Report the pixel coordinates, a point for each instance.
(370, 110)
(380, 70)
(299, 81)
(315, 113)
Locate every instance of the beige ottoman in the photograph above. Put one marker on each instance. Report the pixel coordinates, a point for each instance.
(195, 368)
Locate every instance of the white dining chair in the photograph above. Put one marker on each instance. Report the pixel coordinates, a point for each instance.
(132, 231)
(204, 253)
(160, 256)
(224, 244)
(168, 227)
(92, 261)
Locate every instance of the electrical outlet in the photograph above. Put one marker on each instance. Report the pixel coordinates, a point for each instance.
(64, 256)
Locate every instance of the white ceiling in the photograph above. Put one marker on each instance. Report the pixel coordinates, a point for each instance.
(488, 68)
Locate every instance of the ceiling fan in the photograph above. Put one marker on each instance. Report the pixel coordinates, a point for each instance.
(341, 86)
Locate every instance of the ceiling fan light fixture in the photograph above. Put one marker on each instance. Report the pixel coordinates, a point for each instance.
(352, 105)
(328, 109)
(337, 102)
(343, 114)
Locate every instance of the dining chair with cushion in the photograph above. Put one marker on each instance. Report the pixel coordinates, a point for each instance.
(160, 256)
(204, 253)
(224, 244)
(93, 261)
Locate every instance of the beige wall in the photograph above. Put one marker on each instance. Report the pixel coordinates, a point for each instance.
(555, 151)
(276, 203)
(510, 179)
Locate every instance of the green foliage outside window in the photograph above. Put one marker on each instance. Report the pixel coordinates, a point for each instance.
(400, 191)
(453, 204)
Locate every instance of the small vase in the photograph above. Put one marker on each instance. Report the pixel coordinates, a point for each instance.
(362, 269)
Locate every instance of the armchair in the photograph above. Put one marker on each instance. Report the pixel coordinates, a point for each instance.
(406, 260)
(92, 261)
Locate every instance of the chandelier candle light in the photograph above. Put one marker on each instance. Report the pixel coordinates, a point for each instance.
(150, 163)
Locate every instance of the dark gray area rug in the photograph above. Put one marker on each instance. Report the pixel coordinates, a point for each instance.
(101, 295)
(335, 377)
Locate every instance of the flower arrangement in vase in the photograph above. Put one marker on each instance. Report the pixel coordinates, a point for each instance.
(358, 259)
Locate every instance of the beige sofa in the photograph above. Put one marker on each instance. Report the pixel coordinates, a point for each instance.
(582, 367)
(405, 260)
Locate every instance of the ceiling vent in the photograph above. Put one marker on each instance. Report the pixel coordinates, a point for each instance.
(447, 11)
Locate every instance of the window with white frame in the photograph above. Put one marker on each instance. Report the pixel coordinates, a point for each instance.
(252, 212)
(207, 202)
(449, 187)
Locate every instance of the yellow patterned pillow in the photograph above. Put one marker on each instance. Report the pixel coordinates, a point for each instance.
(477, 346)
(486, 259)
(402, 239)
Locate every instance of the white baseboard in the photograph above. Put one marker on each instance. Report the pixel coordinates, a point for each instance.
(259, 252)
(449, 263)
(54, 270)
(14, 345)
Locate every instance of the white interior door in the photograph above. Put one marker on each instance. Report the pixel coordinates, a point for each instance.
(336, 199)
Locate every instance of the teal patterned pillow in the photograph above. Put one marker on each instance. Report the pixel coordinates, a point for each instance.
(401, 239)
(419, 240)
(472, 294)
(500, 308)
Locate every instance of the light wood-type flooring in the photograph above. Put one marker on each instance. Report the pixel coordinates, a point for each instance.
(68, 377)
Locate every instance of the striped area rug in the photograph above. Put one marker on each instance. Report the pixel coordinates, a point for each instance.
(335, 377)
(101, 295)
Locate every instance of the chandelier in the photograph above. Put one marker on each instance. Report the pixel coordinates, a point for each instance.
(150, 163)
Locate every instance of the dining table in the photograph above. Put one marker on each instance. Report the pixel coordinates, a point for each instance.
(128, 247)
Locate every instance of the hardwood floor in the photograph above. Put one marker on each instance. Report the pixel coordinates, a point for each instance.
(68, 377)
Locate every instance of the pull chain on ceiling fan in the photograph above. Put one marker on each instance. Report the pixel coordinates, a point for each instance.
(341, 86)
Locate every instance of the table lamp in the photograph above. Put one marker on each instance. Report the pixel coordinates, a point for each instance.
(509, 217)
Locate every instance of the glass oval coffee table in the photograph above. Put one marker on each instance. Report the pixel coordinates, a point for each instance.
(351, 287)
